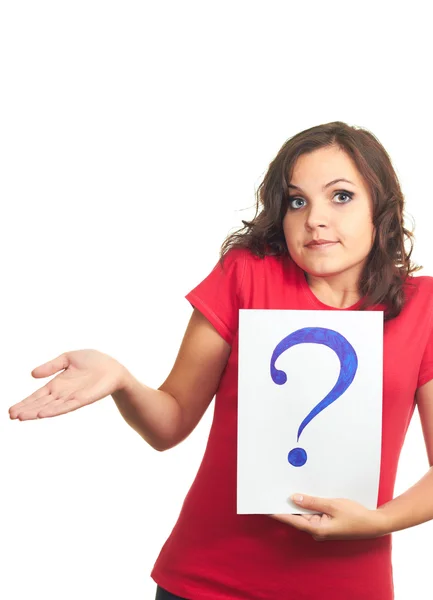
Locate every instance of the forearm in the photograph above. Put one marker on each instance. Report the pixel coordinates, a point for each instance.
(155, 415)
(413, 507)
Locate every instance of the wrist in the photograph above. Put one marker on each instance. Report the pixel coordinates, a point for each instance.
(383, 522)
(127, 382)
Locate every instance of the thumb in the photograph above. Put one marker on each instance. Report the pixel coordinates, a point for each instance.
(51, 367)
(320, 505)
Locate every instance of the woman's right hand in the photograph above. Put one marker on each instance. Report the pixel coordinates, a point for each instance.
(88, 375)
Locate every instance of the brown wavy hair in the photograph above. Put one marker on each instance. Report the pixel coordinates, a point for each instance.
(388, 265)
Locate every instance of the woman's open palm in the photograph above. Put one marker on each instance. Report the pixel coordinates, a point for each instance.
(88, 375)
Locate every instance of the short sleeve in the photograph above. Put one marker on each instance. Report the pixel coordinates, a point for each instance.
(426, 367)
(217, 296)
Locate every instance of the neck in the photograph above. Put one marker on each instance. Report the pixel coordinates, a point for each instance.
(334, 291)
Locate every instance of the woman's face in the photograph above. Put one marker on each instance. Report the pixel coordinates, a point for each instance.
(341, 213)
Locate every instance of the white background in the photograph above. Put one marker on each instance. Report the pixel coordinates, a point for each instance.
(133, 137)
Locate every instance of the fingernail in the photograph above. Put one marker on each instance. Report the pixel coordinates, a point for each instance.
(297, 497)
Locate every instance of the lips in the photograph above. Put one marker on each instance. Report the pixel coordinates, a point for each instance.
(319, 242)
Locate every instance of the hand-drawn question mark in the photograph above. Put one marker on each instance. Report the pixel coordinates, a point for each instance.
(348, 366)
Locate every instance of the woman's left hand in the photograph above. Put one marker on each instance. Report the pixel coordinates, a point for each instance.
(340, 519)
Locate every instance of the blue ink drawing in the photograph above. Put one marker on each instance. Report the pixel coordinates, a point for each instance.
(348, 365)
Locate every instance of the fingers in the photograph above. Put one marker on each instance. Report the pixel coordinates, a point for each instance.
(44, 406)
(37, 399)
(51, 367)
(30, 406)
(59, 407)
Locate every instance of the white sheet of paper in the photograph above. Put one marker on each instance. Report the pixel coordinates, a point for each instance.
(342, 442)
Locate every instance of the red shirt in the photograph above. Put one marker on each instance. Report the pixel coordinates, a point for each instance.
(215, 554)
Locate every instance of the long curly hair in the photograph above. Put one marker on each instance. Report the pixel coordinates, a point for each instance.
(388, 264)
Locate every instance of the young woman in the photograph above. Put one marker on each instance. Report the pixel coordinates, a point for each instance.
(328, 234)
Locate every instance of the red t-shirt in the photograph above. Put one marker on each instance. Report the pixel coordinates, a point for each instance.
(214, 553)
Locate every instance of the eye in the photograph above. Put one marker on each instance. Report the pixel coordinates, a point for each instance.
(292, 199)
(348, 194)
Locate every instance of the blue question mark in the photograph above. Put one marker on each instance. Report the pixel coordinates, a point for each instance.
(348, 366)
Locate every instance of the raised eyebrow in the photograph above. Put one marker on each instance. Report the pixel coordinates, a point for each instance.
(327, 185)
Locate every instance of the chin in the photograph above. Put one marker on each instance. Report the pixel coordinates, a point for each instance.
(327, 269)
(323, 270)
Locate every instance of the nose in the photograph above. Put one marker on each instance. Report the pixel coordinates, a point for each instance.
(316, 216)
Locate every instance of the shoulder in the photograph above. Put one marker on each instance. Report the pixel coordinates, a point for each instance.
(265, 281)
(419, 292)
(247, 256)
(250, 264)
(422, 283)
(240, 260)
(239, 255)
(422, 279)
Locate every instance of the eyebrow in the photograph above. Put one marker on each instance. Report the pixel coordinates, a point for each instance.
(295, 187)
